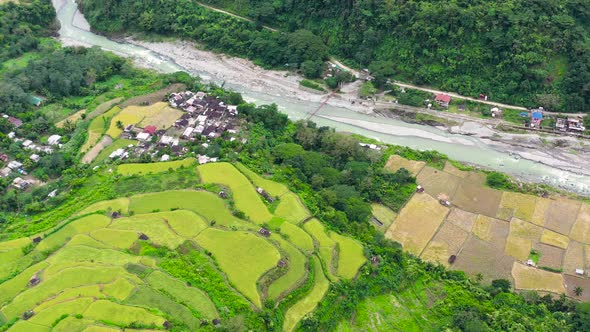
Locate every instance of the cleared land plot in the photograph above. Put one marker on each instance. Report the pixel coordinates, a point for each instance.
(395, 162)
(525, 230)
(82, 225)
(298, 237)
(462, 219)
(119, 204)
(291, 209)
(574, 258)
(294, 276)
(417, 223)
(350, 256)
(325, 243)
(561, 215)
(448, 241)
(204, 203)
(530, 278)
(479, 256)
(192, 297)
(555, 239)
(91, 155)
(158, 114)
(160, 167)
(121, 314)
(308, 303)
(384, 215)
(155, 228)
(104, 107)
(550, 256)
(437, 182)
(571, 282)
(275, 189)
(517, 205)
(477, 199)
(244, 257)
(581, 229)
(449, 168)
(244, 194)
(117, 144)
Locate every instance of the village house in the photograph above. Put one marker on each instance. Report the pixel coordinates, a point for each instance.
(13, 121)
(20, 183)
(150, 130)
(4, 157)
(53, 140)
(443, 100)
(536, 117)
(14, 165)
(35, 158)
(5, 172)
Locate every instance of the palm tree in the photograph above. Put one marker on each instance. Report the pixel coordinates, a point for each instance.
(120, 124)
(578, 291)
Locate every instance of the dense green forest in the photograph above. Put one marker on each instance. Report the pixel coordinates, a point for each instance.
(528, 52)
(22, 25)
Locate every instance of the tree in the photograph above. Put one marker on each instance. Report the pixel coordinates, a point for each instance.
(367, 90)
(503, 285)
(120, 125)
(381, 71)
(578, 291)
(311, 69)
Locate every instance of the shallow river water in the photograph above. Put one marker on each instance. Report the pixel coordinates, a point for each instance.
(74, 30)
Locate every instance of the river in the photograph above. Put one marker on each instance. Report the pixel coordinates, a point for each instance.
(74, 31)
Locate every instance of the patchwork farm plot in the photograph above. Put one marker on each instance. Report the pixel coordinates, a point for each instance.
(105, 268)
(538, 243)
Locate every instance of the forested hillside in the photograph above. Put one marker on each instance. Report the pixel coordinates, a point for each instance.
(528, 52)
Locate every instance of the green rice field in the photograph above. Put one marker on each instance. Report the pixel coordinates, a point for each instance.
(160, 167)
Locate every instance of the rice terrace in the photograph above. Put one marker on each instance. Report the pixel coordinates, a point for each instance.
(122, 264)
(538, 243)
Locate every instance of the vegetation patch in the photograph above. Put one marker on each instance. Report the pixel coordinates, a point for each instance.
(296, 271)
(83, 225)
(121, 239)
(291, 209)
(159, 167)
(555, 239)
(384, 215)
(310, 301)
(97, 127)
(152, 226)
(122, 315)
(326, 245)
(298, 237)
(275, 189)
(350, 256)
(119, 205)
(396, 162)
(244, 194)
(244, 257)
(158, 114)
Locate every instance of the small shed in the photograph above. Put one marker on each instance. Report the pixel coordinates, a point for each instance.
(443, 99)
(143, 237)
(264, 232)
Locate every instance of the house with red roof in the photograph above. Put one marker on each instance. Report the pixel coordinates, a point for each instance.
(443, 100)
(150, 130)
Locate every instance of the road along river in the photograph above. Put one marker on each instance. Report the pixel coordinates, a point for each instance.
(337, 113)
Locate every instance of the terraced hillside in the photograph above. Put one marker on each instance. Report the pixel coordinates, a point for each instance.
(184, 260)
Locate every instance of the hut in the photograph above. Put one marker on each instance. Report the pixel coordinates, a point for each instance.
(143, 237)
(264, 232)
(452, 259)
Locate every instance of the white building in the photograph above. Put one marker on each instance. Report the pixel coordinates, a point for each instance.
(35, 157)
(27, 143)
(166, 140)
(165, 158)
(53, 140)
(14, 165)
(143, 137)
(117, 153)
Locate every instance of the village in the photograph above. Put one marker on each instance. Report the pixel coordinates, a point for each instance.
(204, 119)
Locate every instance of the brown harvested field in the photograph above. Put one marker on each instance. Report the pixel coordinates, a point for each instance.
(449, 168)
(107, 105)
(72, 118)
(436, 252)
(574, 258)
(555, 239)
(571, 282)
(587, 256)
(395, 162)
(518, 205)
(581, 229)
(550, 256)
(462, 219)
(518, 247)
(476, 178)
(450, 238)
(154, 96)
(437, 182)
(540, 210)
(478, 256)
(561, 215)
(477, 199)
(491, 230)
(525, 230)
(93, 153)
(530, 278)
(417, 223)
